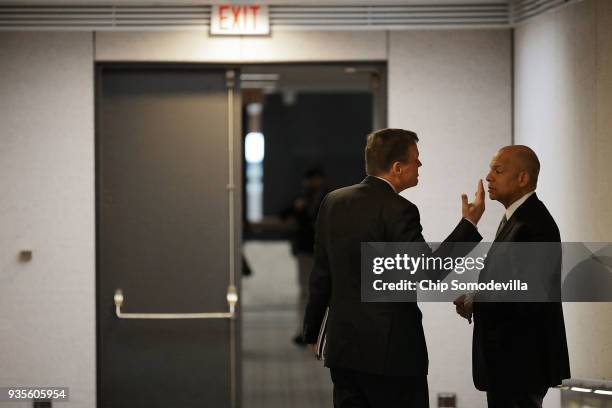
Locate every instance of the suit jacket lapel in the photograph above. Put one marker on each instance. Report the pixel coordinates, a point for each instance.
(502, 235)
(510, 224)
(532, 200)
(506, 229)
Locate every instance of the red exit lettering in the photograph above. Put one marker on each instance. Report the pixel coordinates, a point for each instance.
(238, 17)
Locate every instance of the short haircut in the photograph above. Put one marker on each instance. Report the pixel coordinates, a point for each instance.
(530, 163)
(526, 160)
(387, 146)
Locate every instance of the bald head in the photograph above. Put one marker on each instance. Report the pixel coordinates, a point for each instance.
(524, 159)
(514, 173)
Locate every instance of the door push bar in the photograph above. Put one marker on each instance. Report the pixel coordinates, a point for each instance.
(232, 299)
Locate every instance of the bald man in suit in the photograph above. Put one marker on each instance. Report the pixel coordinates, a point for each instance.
(519, 350)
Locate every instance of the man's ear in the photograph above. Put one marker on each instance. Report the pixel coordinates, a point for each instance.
(524, 179)
(396, 167)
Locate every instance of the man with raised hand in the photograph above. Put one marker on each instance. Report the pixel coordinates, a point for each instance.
(376, 352)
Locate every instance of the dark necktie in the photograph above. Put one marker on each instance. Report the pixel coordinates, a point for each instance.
(503, 222)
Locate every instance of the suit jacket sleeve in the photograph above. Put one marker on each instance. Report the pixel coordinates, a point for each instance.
(320, 282)
(405, 226)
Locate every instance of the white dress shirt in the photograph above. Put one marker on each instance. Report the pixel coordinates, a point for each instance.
(469, 298)
(515, 205)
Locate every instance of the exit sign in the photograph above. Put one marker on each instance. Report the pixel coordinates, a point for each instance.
(239, 19)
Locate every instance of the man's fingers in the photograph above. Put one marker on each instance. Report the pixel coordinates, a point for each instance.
(464, 201)
(480, 189)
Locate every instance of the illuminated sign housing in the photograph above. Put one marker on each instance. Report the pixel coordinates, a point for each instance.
(239, 19)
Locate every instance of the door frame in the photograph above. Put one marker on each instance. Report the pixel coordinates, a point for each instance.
(380, 120)
(234, 186)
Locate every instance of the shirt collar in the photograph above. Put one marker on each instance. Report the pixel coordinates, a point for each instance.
(386, 181)
(515, 205)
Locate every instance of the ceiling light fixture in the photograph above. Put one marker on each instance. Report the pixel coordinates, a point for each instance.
(603, 392)
(259, 77)
(579, 389)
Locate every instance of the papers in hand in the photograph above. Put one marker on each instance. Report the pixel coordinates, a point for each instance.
(320, 348)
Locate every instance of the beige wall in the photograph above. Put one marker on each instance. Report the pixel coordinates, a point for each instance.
(281, 46)
(454, 89)
(563, 107)
(47, 318)
(451, 87)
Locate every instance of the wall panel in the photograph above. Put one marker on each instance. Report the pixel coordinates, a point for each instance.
(454, 89)
(563, 92)
(280, 46)
(47, 323)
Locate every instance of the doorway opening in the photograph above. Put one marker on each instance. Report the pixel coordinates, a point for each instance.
(168, 194)
(304, 131)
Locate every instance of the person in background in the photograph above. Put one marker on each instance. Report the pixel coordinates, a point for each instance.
(304, 210)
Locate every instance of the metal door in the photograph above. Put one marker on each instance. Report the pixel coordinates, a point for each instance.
(167, 232)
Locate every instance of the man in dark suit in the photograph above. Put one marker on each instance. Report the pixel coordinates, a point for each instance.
(519, 350)
(376, 352)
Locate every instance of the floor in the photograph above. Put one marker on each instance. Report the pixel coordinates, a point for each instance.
(276, 373)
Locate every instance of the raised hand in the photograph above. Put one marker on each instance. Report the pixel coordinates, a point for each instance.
(474, 210)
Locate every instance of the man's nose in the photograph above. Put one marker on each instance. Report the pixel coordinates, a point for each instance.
(420, 164)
